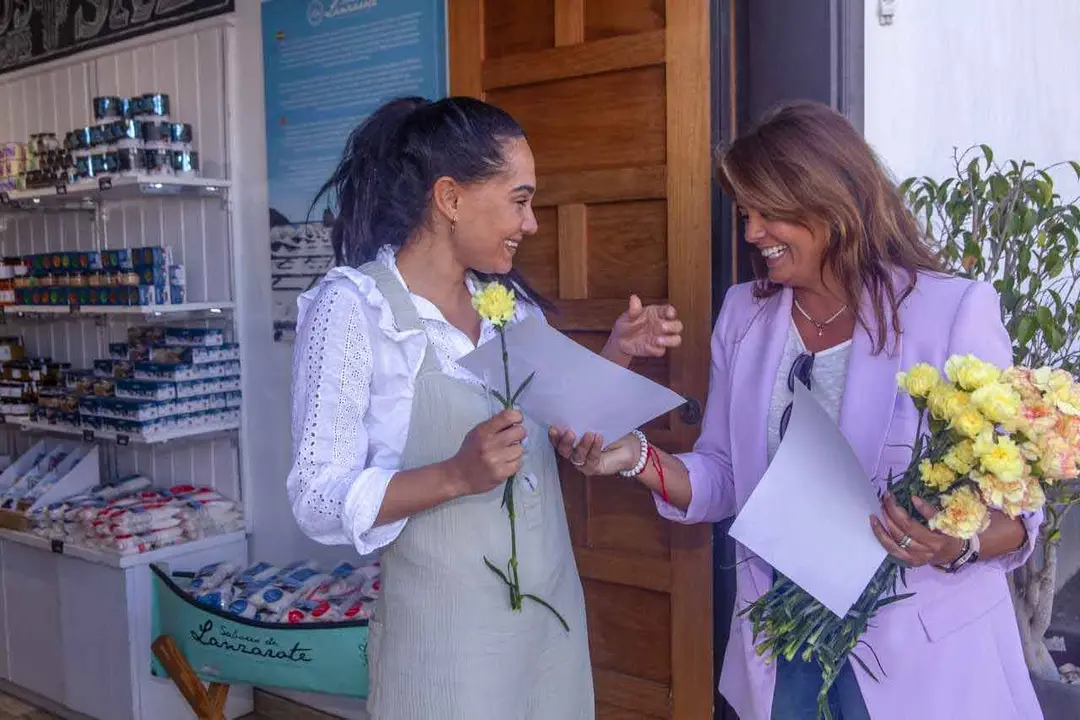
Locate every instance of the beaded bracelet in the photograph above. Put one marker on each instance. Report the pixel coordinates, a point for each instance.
(643, 459)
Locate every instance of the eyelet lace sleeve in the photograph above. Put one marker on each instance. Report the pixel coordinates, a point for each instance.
(335, 493)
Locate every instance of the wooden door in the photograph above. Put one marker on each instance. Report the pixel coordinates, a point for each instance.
(614, 97)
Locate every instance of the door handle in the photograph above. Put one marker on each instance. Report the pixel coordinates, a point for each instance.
(690, 412)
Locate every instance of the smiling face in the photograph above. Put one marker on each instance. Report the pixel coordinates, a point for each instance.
(495, 215)
(791, 253)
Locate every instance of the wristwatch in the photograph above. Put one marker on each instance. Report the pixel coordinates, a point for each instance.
(969, 555)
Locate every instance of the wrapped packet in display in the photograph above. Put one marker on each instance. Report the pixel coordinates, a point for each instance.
(211, 576)
(308, 611)
(243, 608)
(258, 573)
(285, 591)
(220, 598)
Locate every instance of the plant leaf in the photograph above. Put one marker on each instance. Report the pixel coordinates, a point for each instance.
(513, 400)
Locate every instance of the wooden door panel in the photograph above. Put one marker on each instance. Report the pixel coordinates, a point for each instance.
(612, 18)
(634, 644)
(591, 122)
(538, 256)
(627, 250)
(623, 519)
(613, 712)
(520, 26)
(614, 97)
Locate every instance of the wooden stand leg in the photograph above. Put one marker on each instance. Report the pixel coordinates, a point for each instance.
(206, 704)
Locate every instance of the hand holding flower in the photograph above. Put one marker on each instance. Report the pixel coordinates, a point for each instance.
(490, 453)
(923, 546)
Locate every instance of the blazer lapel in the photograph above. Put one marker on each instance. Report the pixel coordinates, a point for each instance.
(867, 409)
(756, 367)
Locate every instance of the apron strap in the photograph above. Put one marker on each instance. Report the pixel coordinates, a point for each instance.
(401, 306)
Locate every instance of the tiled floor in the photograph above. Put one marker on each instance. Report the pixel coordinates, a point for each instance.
(15, 709)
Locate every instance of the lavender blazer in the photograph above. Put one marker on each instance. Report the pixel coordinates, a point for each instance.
(952, 651)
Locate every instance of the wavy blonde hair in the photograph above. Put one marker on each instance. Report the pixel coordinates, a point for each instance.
(805, 162)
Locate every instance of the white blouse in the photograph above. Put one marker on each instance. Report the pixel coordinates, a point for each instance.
(827, 381)
(353, 379)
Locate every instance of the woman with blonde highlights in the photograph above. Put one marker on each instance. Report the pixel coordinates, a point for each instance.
(847, 294)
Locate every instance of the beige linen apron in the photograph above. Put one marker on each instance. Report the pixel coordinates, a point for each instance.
(444, 643)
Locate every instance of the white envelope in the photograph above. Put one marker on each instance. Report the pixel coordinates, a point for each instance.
(809, 517)
(573, 387)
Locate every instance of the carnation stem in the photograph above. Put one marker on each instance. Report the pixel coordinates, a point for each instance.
(511, 576)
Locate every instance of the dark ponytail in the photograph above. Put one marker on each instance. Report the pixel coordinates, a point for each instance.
(383, 184)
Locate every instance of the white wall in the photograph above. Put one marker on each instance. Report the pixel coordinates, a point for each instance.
(954, 73)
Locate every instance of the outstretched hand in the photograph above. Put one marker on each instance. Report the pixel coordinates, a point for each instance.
(646, 331)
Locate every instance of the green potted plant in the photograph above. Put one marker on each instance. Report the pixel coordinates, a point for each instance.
(1006, 224)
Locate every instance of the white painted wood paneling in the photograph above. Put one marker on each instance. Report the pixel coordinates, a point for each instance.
(191, 69)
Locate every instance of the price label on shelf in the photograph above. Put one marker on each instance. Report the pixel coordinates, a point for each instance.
(123, 440)
(105, 183)
(57, 546)
(61, 189)
(88, 436)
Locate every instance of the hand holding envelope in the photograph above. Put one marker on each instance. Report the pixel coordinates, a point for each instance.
(574, 388)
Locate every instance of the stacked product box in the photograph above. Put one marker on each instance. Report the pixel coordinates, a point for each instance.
(122, 277)
(162, 380)
(12, 166)
(167, 380)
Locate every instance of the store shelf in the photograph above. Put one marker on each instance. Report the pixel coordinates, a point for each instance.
(115, 559)
(141, 311)
(205, 432)
(86, 196)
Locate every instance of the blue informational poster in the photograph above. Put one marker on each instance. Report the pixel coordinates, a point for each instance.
(327, 65)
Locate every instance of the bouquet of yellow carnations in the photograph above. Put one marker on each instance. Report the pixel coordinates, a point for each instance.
(988, 438)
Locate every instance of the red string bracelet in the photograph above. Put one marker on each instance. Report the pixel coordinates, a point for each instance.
(655, 458)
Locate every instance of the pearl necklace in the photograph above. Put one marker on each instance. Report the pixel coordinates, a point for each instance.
(819, 325)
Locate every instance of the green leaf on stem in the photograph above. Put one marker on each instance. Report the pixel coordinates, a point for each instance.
(546, 604)
(513, 400)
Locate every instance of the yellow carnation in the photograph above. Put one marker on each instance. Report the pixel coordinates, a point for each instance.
(961, 457)
(1000, 456)
(1057, 458)
(969, 372)
(919, 380)
(495, 303)
(1021, 380)
(962, 515)
(1033, 500)
(999, 403)
(1034, 496)
(936, 476)
(998, 491)
(1058, 389)
(946, 402)
(970, 423)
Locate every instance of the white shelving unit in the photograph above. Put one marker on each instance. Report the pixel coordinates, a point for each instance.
(92, 194)
(60, 602)
(135, 311)
(201, 433)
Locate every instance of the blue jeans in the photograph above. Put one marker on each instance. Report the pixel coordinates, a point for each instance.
(797, 686)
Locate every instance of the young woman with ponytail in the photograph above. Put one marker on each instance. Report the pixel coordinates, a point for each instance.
(394, 445)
